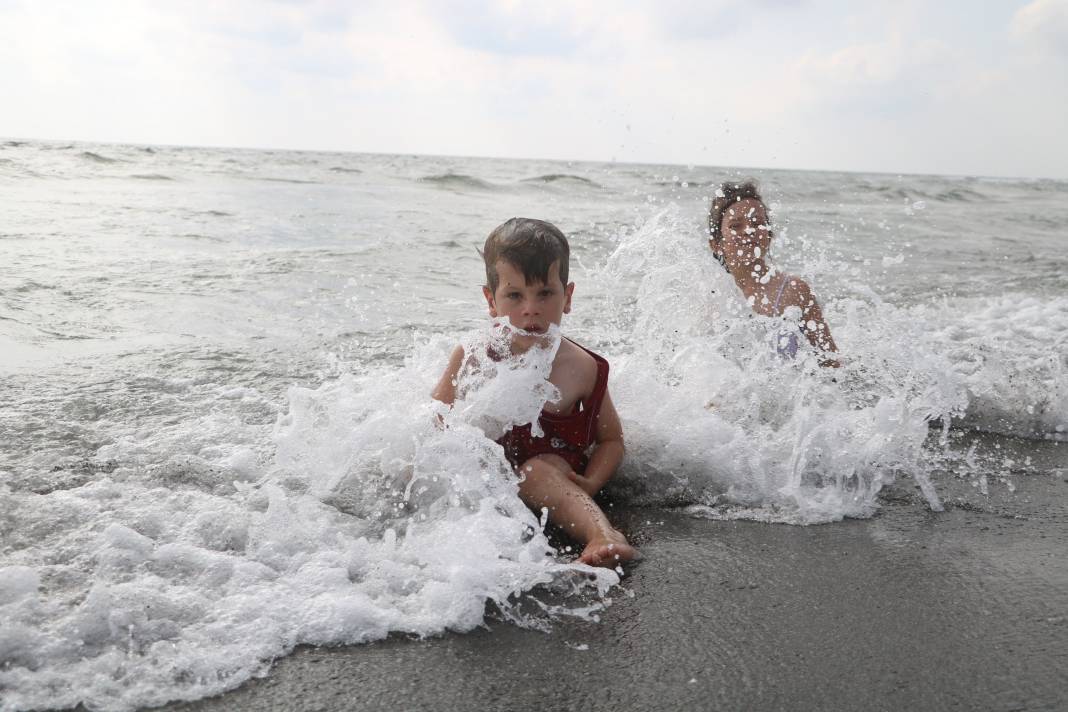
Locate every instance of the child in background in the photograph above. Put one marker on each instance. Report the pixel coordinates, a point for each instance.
(526, 285)
(740, 236)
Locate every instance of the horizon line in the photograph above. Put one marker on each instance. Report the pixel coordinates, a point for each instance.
(690, 166)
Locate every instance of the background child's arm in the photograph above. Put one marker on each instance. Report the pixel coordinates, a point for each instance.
(607, 452)
(812, 323)
(445, 390)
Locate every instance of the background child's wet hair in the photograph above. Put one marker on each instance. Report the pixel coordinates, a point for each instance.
(530, 245)
(728, 194)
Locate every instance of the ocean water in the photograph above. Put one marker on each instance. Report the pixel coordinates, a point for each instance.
(216, 440)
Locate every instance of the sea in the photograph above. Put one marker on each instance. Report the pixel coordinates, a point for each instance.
(216, 437)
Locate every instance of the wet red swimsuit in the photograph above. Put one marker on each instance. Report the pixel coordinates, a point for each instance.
(567, 435)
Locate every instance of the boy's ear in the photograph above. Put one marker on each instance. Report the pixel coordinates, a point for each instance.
(489, 301)
(568, 290)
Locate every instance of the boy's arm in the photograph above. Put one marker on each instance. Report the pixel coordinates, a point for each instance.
(445, 390)
(607, 452)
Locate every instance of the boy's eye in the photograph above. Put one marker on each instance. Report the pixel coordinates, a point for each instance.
(545, 293)
(512, 295)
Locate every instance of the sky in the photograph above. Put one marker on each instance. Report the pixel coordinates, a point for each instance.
(952, 87)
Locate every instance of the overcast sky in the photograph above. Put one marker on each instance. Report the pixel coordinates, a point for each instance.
(953, 87)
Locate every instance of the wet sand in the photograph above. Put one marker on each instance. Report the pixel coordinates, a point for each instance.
(961, 610)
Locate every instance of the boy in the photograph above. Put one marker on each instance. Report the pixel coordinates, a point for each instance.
(526, 273)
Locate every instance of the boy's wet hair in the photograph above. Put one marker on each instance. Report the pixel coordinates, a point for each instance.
(728, 194)
(530, 245)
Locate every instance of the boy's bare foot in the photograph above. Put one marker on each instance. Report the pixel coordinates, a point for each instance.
(608, 551)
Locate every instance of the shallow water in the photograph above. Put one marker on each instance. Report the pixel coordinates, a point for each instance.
(216, 442)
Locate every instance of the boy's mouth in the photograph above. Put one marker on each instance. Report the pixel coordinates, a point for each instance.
(529, 328)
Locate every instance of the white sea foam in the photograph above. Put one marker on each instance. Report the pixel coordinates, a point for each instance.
(372, 518)
(716, 419)
(1011, 353)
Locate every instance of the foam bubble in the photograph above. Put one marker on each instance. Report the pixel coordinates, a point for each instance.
(17, 582)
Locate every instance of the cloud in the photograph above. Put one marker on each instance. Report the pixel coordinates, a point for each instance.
(1043, 25)
(511, 28)
(714, 19)
(885, 77)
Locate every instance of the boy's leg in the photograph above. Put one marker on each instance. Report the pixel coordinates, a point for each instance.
(544, 483)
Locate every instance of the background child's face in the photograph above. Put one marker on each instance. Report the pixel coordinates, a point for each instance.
(746, 233)
(529, 306)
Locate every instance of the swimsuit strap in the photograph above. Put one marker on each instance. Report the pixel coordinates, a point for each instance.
(591, 406)
(601, 384)
(782, 286)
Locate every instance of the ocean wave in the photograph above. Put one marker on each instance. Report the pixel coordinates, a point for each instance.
(683, 183)
(959, 195)
(912, 193)
(1037, 185)
(1011, 354)
(201, 237)
(96, 157)
(150, 176)
(342, 169)
(890, 191)
(270, 179)
(1048, 185)
(31, 286)
(564, 178)
(457, 181)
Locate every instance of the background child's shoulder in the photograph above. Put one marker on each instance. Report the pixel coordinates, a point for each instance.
(794, 291)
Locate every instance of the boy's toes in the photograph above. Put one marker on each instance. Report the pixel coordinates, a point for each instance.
(607, 553)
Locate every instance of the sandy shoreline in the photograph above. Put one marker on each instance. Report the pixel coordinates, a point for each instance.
(966, 609)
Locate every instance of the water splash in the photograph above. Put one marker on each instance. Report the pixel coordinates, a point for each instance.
(717, 420)
(380, 512)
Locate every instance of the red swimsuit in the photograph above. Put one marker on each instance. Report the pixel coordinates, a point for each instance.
(568, 436)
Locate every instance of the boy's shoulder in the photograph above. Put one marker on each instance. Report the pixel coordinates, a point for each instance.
(578, 359)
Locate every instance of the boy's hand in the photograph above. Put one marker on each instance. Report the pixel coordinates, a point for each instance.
(588, 486)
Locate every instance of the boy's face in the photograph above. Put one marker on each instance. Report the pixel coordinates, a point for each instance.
(529, 306)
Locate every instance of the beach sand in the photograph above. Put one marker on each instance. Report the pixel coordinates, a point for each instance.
(911, 609)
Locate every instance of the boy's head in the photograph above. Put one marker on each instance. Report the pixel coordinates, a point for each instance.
(526, 273)
(531, 246)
